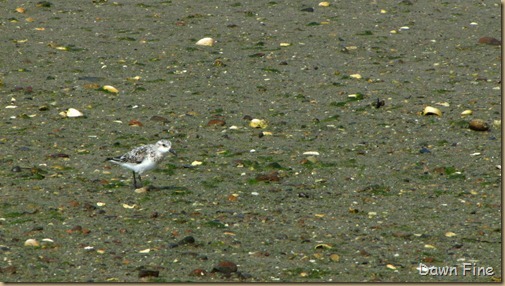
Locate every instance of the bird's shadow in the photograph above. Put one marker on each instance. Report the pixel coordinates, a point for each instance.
(151, 188)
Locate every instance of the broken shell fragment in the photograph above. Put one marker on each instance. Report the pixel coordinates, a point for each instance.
(110, 88)
(478, 125)
(324, 4)
(206, 42)
(429, 110)
(71, 112)
(467, 112)
(312, 153)
(258, 123)
(32, 242)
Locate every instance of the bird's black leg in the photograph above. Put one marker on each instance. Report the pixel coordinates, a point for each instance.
(134, 180)
(140, 180)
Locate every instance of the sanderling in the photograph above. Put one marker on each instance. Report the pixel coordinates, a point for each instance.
(143, 158)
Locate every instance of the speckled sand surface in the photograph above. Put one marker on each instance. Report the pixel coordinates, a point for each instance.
(390, 188)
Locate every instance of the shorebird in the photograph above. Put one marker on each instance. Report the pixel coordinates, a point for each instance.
(143, 158)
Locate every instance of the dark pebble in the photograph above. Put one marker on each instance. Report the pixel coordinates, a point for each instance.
(159, 119)
(173, 245)
(216, 122)
(243, 275)
(198, 272)
(148, 273)
(478, 125)
(489, 41)
(247, 117)
(16, 169)
(309, 9)
(270, 177)
(424, 150)
(225, 267)
(303, 195)
(187, 240)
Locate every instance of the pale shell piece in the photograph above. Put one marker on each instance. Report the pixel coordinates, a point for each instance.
(285, 44)
(404, 28)
(72, 112)
(206, 42)
(446, 104)
(429, 246)
(145, 250)
(324, 4)
(356, 76)
(100, 204)
(391, 266)
(32, 242)
(267, 133)
(429, 110)
(47, 240)
(467, 112)
(110, 88)
(311, 153)
(258, 123)
(233, 127)
(196, 163)
(450, 234)
(126, 206)
(11, 106)
(497, 123)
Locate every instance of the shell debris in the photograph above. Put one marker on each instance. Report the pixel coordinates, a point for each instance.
(206, 42)
(71, 112)
(110, 88)
(258, 123)
(429, 110)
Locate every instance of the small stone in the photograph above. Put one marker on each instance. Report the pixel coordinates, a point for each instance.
(334, 257)
(270, 177)
(478, 125)
(16, 169)
(159, 119)
(187, 240)
(216, 122)
(198, 272)
(148, 273)
(489, 41)
(225, 267)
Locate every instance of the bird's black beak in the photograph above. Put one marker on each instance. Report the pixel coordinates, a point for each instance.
(173, 152)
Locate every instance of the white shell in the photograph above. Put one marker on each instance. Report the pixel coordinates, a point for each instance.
(312, 153)
(206, 42)
(258, 123)
(429, 110)
(32, 242)
(467, 112)
(72, 112)
(110, 88)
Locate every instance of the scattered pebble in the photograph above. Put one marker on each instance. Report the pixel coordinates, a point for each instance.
(225, 267)
(478, 125)
(187, 240)
(198, 272)
(148, 273)
(489, 41)
(216, 122)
